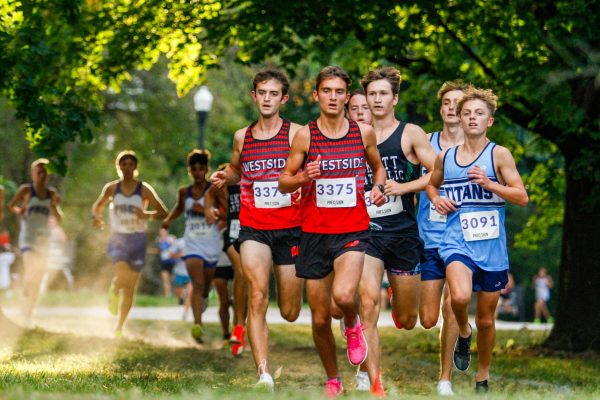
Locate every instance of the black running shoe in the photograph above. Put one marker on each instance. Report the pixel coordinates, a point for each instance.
(462, 352)
(482, 387)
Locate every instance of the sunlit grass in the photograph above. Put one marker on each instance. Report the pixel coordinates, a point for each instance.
(158, 359)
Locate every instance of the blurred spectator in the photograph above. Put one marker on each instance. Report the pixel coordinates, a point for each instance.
(165, 241)
(542, 283)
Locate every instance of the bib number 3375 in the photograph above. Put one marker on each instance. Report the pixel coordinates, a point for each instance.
(480, 225)
(336, 193)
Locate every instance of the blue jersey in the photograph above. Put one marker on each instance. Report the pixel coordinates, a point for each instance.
(476, 229)
(431, 223)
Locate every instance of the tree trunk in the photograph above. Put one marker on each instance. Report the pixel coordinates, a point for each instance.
(577, 326)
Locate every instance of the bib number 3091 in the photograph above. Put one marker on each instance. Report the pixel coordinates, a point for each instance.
(480, 225)
(336, 193)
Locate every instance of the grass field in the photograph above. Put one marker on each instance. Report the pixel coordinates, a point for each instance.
(158, 359)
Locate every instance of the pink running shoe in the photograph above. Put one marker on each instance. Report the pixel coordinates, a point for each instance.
(333, 388)
(357, 344)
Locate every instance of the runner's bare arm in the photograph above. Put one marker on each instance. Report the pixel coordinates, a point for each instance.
(232, 173)
(290, 179)
(176, 210)
(17, 203)
(107, 193)
(374, 160)
(55, 209)
(150, 196)
(214, 200)
(513, 190)
(422, 150)
(442, 204)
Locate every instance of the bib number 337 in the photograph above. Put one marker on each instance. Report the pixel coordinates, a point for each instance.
(480, 225)
(266, 195)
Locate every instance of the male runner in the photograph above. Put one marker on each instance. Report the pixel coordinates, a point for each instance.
(128, 199)
(202, 244)
(270, 220)
(395, 244)
(431, 228)
(478, 177)
(358, 109)
(35, 202)
(335, 223)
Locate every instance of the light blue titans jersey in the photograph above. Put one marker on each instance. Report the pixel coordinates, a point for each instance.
(476, 230)
(431, 223)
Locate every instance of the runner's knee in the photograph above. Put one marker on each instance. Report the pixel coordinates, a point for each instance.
(485, 322)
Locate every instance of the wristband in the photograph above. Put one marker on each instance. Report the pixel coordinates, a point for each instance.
(381, 188)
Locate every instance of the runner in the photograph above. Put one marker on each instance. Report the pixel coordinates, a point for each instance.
(431, 227)
(478, 177)
(231, 246)
(542, 283)
(201, 237)
(395, 244)
(128, 199)
(358, 108)
(335, 224)
(35, 202)
(270, 220)
(224, 275)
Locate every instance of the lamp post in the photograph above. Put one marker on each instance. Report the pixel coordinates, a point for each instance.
(203, 100)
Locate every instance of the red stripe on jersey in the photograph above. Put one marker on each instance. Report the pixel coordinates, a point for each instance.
(263, 160)
(340, 158)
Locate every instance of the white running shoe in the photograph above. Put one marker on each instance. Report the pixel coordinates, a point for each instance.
(363, 384)
(265, 382)
(444, 388)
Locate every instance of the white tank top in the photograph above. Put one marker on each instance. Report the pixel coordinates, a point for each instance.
(34, 223)
(123, 216)
(195, 223)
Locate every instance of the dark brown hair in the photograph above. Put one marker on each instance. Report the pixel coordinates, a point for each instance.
(390, 74)
(268, 73)
(332, 72)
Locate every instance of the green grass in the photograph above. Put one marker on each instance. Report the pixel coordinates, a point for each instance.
(159, 360)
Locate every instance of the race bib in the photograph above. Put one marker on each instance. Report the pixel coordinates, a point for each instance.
(266, 195)
(480, 225)
(199, 228)
(234, 229)
(435, 216)
(336, 193)
(392, 206)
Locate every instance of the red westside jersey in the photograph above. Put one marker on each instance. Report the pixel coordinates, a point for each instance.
(335, 202)
(262, 206)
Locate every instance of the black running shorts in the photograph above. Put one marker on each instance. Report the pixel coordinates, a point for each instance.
(319, 250)
(283, 242)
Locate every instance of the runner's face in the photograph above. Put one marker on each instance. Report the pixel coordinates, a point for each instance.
(269, 97)
(380, 98)
(448, 108)
(475, 117)
(39, 174)
(198, 172)
(358, 109)
(332, 96)
(127, 167)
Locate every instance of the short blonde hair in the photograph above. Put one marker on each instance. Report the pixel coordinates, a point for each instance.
(448, 86)
(40, 161)
(390, 74)
(485, 95)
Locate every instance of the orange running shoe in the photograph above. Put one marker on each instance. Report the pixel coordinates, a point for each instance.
(238, 340)
(377, 388)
